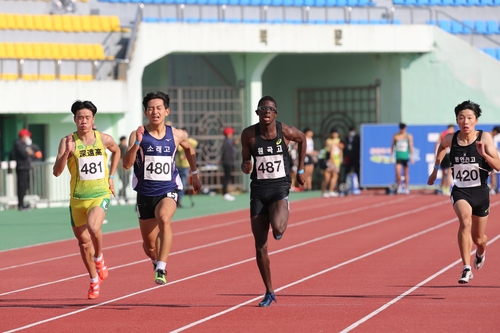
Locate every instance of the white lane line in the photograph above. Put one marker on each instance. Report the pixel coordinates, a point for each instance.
(242, 262)
(222, 225)
(406, 293)
(315, 275)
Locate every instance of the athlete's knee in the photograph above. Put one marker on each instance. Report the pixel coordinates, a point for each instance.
(149, 250)
(85, 245)
(261, 250)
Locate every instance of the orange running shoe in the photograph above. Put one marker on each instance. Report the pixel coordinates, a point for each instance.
(102, 269)
(94, 289)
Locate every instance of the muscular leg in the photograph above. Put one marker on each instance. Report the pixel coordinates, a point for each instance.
(398, 174)
(406, 170)
(86, 249)
(94, 221)
(149, 233)
(477, 232)
(278, 214)
(464, 214)
(164, 212)
(260, 230)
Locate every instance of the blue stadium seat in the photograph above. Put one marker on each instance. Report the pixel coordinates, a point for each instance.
(472, 3)
(287, 3)
(480, 27)
(492, 27)
(363, 3)
(319, 22)
(293, 21)
(209, 20)
(458, 3)
(457, 27)
(341, 3)
(352, 3)
(233, 2)
(445, 25)
(399, 2)
(435, 3)
(468, 26)
(430, 22)
(330, 3)
(490, 51)
(255, 2)
(496, 2)
(422, 2)
(309, 3)
(486, 2)
(298, 3)
(322, 3)
(251, 21)
(212, 2)
(396, 22)
(276, 2)
(498, 53)
(150, 19)
(168, 19)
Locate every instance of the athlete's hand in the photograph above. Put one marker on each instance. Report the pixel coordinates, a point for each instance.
(301, 179)
(246, 167)
(481, 148)
(139, 133)
(111, 183)
(69, 143)
(196, 184)
(432, 177)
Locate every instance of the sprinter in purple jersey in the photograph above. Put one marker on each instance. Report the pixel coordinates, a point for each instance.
(156, 180)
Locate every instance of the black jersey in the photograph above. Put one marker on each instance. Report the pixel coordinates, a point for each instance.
(469, 168)
(271, 159)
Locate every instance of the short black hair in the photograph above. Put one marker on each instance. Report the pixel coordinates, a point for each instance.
(123, 138)
(402, 126)
(333, 130)
(267, 98)
(468, 105)
(79, 105)
(149, 96)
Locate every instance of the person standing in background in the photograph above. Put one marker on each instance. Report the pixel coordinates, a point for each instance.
(351, 154)
(446, 178)
(311, 158)
(182, 164)
(495, 133)
(402, 146)
(23, 153)
(123, 173)
(228, 160)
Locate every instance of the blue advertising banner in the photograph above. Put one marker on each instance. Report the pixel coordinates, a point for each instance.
(377, 164)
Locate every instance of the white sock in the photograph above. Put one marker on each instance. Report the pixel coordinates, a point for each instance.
(98, 259)
(94, 280)
(161, 265)
(467, 267)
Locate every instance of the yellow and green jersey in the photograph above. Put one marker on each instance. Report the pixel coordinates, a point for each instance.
(89, 169)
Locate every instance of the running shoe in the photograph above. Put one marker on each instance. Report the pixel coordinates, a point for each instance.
(102, 269)
(466, 276)
(268, 299)
(94, 289)
(277, 237)
(161, 276)
(479, 261)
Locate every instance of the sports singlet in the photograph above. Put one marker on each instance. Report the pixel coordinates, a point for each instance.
(271, 158)
(89, 169)
(155, 173)
(468, 167)
(402, 148)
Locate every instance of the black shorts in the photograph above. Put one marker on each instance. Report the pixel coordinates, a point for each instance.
(308, 160)
(146, 205)
(263, 196)
(445, 163)
(477, 197)
(402, 162)
(323, 164)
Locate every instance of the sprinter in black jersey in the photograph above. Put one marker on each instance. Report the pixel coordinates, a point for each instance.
(472, 156)
(267, 142)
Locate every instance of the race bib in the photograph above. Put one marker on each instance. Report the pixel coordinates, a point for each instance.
(402, 145)
(158, 168)
(270, 167)
(466, 175)
(91, 167)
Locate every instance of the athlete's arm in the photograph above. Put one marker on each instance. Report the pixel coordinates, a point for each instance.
(441, 152)
(293, 134)
(113, 147)
(410, 142)
(66, 148)
(486, 147)
(246, 151)
(129, 157)
(181, 139)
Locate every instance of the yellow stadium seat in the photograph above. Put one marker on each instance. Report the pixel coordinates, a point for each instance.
(29, 21)
(77, 23)
(3, 22)
(47, 51)
(67, 23)
(10, 76)
(11, 21)
(38, 22)
(84, 77)
(67, 77)
(10, 50)
(47, 22)
(19, 22)
(98, 52)
(30, 77)
(82, 52)
(65, 51)
(95, 23)
(105, 23)
(3, 52)
(29, 52)
(47, 77)
(57, 23)
(38, 51)
(55, 50)
(86, 24)
(20, 52)
(73, 51)
(114, 23)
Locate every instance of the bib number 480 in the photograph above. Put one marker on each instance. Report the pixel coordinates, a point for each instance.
(158, 168)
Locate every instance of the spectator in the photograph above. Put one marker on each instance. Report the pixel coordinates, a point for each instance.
(495, 133)
(311, 158)
(23, 153)
(123, 173)
(351, 160)
(182, 164)
(402, 149)
(228, 160)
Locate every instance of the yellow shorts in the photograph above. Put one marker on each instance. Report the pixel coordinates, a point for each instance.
(78, 209)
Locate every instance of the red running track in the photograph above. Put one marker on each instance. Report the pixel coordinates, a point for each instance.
(370, 263)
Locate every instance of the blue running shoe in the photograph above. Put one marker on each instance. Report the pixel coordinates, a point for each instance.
(268, 299)
(277, 237)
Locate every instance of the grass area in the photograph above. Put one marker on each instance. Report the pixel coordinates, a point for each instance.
(19, 229)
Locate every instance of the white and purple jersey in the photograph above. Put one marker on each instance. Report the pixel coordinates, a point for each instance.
(155, 173)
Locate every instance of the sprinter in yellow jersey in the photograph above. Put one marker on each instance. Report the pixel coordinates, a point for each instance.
(91, 185)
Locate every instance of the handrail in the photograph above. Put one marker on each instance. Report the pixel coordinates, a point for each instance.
(411, 9)
(472, 31)
(133, 34)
